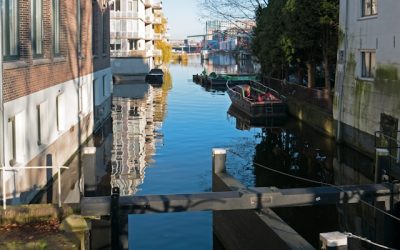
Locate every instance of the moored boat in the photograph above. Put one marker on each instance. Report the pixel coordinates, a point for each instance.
(257, 100)
(155, 77)
(221, 79)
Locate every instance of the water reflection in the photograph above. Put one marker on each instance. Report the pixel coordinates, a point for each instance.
(138, 111)
(297, 150)
(246, 122)
(227, 63)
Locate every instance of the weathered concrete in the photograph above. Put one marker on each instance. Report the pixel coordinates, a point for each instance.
(362, 103)
(35, 213)
(252, 230)
(312, 115)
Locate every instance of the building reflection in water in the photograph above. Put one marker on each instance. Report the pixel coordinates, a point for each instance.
(227, 63)
(138, 111)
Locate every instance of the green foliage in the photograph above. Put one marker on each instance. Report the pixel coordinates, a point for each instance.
(295, 33)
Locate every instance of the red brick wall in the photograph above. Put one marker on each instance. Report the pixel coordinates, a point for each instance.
(31, 77)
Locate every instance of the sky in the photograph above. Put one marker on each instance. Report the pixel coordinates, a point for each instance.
(183, 18)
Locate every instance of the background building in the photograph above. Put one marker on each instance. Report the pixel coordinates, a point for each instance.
(367, 92)
(132, 36)
(56, 74)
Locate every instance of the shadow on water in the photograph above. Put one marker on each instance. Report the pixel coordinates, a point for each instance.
(295, 149)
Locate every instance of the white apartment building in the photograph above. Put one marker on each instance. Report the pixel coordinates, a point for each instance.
(132, 36)
(367, 86)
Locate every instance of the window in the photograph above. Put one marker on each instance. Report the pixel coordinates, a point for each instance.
(16, 138)
(36, 27)
(130, 6)
(115, 44)
(10, 28)
(104, 34)
(94, 33)
(83, 98)
(369, 7)
(104, 85)
(41, 112)
(60, 112)
(56, 27)
(12, 141)
(78, 28)
(117, 5)
(368, 64)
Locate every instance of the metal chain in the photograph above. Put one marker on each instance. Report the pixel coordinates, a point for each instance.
(350, 235)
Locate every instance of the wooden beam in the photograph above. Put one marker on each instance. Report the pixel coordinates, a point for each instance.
(251, 198)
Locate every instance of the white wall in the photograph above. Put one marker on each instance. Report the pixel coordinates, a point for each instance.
(77, 103)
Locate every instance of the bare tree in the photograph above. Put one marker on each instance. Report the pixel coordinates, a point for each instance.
(230, 10)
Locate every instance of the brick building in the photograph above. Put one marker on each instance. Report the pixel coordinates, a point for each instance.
(56, 84)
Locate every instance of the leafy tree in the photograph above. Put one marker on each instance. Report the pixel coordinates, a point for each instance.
(297, 33)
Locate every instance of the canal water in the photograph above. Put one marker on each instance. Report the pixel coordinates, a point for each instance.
(159, 141)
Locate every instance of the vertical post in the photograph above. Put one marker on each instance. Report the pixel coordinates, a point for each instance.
(218, 160)
(59, 186)
(333, 241)
(114, 214)
(380, 154)
(2, 161)
(4, 188)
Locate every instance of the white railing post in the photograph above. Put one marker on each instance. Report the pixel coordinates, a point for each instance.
(59, 186)
(4, 188)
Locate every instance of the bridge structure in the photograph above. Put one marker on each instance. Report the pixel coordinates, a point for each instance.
(236, 207)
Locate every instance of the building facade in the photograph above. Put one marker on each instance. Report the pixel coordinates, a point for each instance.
(366, 91)
(133, 36)
(56, 79)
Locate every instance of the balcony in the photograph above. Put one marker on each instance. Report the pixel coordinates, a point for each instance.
(132, 53)
(158, 36)
(148, 3)
(149, 19)
(125, 14)
(125, 34)
(157, 20)
(149, 36)
(157, 6)
(157, 52)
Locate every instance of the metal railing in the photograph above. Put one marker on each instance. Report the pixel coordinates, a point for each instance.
(126, 14)
(318, 97)
(157, 36)
(149, 36)
(149, 19)
(125, 34)
(14, 169)
(157, 52)
(157, 20)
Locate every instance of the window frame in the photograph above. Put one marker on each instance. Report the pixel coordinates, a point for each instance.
(7, 56)
(79, 26)
(371, 12)
(56, 22)
(36, 39)
(368, 69)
